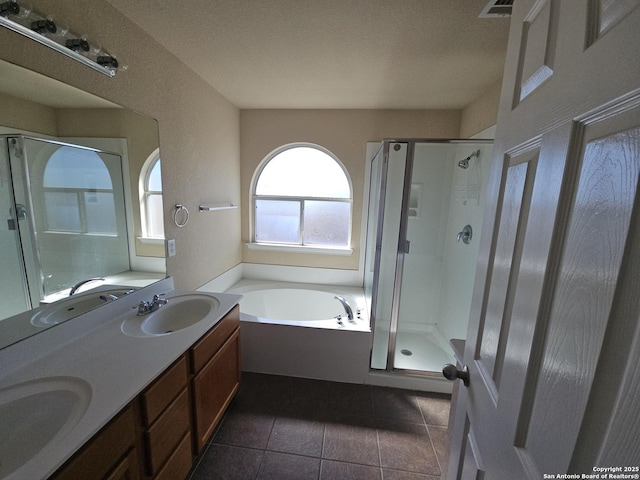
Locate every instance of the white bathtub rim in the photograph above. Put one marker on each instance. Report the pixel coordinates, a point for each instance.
(359, 324)
(331, 324)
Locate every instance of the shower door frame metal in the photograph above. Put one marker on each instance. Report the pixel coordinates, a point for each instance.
(403, 246)
(28, 289)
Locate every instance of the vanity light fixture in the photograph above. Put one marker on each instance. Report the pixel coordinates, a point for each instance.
(18, 16)
(9, 8)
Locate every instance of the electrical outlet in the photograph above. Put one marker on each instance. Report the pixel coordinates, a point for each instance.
(171, 247)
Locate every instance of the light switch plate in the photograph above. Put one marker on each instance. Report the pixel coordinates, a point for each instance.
(171, 247)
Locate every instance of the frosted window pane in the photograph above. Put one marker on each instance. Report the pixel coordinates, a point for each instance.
(154, 182)
(303, 172)
(155, 225)
(62, 211)
(326, 223)
(277, 221)
(71, 167)
(101, 213)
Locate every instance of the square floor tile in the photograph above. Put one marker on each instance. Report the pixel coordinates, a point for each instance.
(330, 470)
(435, 408)
(350, 398)
(220, 462)
(440, 439)
(407, 446)
(351, 439)
(283, 466)
(399, 475)
(298, 436)
(244, 429)
(396, 404)
(305, 397)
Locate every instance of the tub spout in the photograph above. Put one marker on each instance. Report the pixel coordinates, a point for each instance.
(347, 307)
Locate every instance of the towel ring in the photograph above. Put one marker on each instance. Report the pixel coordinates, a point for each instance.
(180, 208)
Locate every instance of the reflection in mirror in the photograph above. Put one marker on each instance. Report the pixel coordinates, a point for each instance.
(72, 203)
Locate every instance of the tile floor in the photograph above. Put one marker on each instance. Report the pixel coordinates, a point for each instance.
(282, 428)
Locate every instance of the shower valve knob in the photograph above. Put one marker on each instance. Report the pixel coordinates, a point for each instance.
(450, 372)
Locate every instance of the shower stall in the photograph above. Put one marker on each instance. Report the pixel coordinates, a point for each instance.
(425, 215)
(64, 219)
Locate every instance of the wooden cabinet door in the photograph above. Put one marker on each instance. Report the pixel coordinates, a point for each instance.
(127, 469)
(553, 344)
(214, 387)
(110, 452)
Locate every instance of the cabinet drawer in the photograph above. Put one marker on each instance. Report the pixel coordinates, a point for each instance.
(208, 345)
(180, 462)
(103, 452)
(162, 392)
(166, 432)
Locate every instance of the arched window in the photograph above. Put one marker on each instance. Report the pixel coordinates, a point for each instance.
(151, 197)
(302, 196)
(78, 193)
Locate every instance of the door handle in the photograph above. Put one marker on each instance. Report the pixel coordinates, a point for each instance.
(450, 372)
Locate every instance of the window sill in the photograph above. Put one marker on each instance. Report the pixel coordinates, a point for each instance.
(151, 240)
(299, 249)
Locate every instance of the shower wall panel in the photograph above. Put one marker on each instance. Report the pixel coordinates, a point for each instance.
(459, 261)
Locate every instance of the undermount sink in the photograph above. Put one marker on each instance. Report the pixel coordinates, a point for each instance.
(36, 413)
(181, 311)
(71, 307)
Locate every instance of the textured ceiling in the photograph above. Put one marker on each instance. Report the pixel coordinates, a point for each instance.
(332, 53)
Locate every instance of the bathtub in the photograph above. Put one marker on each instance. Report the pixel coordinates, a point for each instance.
(291, 329)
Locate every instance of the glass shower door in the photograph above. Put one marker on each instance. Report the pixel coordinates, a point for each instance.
(76, 196)
(388, 170)
(422, 195)
(419, 345)
(13, 279)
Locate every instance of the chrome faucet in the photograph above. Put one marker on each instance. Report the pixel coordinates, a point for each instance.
(145, 308)
(347, 307)
(75, 288)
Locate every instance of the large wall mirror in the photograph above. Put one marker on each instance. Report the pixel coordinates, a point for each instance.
(80, 202)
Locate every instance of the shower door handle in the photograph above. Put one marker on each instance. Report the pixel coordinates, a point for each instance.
(450, 372)
(21, 214)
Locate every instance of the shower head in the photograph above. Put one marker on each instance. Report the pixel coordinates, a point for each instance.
(464, 163)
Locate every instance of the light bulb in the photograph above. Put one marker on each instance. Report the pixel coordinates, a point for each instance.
(110, 61)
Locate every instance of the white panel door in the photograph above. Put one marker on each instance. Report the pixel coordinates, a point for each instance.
(553, 346)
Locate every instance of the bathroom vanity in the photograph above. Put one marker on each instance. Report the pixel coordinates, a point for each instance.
(127, 396)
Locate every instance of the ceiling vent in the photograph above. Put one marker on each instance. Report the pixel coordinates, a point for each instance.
(497, 8)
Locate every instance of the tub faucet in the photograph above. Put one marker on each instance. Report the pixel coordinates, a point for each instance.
(347, 307)
(75, 288)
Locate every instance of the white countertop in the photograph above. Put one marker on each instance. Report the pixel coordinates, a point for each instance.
(93, 348)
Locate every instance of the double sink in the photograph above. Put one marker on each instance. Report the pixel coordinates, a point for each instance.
(39, 412)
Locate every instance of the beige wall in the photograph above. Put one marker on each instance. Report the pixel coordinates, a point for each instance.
(25, 115)
(199, 129)
(482, 113)
(345, 133)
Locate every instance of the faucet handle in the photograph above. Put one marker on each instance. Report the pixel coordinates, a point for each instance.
(143, 308)
(159, 299)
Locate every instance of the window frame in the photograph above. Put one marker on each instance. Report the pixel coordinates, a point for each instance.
(80, 195)
(145, 194)
(300, 246)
